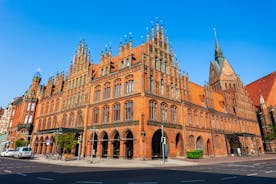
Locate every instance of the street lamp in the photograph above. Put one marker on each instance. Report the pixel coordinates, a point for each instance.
(92, 144)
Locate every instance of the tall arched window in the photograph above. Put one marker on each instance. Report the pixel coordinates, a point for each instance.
(116, 112)
(79, 119)
(97, 93)
(107, 90)
(162, 86)
(153, 107)
(129, 85)
(96, 114)
(57, 105)
(106, 114)
(151, 83)
(164, 112)
(117, 88)
(174, 113)
(129, 110)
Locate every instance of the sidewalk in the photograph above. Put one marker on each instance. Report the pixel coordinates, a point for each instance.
(217, 160)
(176, 162)
(116, 163)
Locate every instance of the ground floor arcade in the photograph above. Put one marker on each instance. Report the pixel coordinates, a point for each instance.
(131, 143)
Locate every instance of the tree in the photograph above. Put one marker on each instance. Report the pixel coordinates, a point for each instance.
(20, 143)
(66, 141)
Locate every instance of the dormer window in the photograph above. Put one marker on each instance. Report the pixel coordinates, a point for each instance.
(127, 62)
(122, 64)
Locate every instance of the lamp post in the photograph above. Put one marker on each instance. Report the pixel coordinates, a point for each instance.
(92, 144)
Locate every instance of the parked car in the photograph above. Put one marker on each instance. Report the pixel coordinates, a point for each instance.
(7, 153)
(23, 152)
(3, 153)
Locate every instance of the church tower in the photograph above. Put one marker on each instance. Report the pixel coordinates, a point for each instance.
(222, 76)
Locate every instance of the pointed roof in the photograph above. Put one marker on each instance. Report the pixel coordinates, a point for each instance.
(218, 52)
(267, 86)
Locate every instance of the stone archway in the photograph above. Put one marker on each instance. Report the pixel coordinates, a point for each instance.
(35, 150)
(156, 144)
(41, 141)
(129, 145)
(209, 148)
(179, 144)
(116, 145)
(199, 143)
(104, 145)
(234, 143)
(95, 144)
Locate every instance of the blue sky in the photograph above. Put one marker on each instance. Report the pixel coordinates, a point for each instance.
(45, 34)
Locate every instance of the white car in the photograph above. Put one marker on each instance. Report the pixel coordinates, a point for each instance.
(8, 153)
(3, 153)
(23, 152)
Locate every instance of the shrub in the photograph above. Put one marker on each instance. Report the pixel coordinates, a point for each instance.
(196, 154)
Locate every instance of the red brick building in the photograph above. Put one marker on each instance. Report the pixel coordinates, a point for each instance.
(128, 97)
(23, 114)
(263, 95)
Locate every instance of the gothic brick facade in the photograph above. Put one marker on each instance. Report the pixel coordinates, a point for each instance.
(127, 98)
(262, 92)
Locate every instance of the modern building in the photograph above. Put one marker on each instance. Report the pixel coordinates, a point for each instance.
(23, 114)
(263, 95)
(125, 104)
(4, 123)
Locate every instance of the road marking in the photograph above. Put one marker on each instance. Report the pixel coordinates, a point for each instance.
(192, 181)
(21, 174)
(7, 171)
(46, 179)
(93, 182)
(150, 182)
(268, 172)
(229, 178)
(252, 174)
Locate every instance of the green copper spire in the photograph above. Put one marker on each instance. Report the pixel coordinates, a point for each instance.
(218, 52)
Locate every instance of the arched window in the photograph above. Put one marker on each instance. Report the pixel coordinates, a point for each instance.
(106, 114)
(174, 113)
(129, 110)
(79, 119)
(71, 120)
(117, 88)
(151, 83)
(107, 90)
(129, 85)
(164, 112)
(96, 114)
(162, 86)
(116, 112)
(97, 93)
(153, 107)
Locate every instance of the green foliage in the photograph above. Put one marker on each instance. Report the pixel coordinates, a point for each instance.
(196, 154)
(66, 141)
(20, 143)
(272, 134)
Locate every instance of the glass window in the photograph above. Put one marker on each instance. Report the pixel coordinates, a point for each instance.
(153, 106)
(116, 112)
(129, 110)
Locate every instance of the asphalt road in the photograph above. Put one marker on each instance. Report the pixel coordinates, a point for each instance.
(26, 172)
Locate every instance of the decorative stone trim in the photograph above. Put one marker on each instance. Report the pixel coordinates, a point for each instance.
(167, 125)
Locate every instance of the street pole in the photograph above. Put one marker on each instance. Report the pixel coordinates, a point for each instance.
(92, 144)
(163, 146)
(80, 137)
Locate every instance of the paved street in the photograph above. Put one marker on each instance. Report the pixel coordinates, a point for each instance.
(19, 171)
